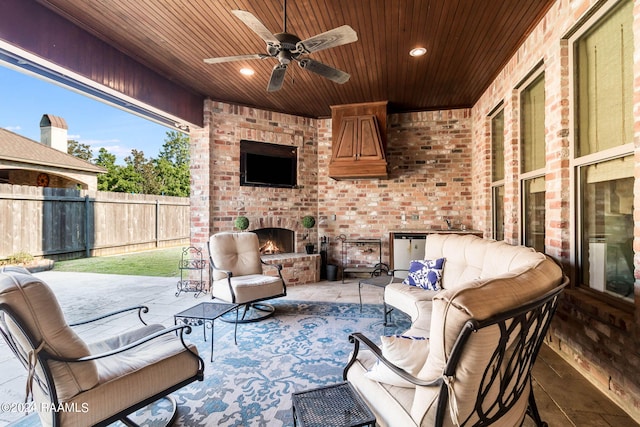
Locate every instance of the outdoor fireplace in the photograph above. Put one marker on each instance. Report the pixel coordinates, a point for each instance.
(275, 240)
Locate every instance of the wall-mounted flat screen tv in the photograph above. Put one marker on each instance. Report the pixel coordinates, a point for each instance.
(268, 165)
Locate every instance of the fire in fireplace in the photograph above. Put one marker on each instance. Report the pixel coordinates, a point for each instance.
(275, 240)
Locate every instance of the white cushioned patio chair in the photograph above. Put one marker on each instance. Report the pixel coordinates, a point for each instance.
(98, 383)
(236, 275)
(476, 365)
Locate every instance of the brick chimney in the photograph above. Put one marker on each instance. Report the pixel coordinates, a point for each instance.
(53, 132)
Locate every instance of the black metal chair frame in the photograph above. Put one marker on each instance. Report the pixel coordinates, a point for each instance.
(47, 384)
(530, 321)
(255, 304)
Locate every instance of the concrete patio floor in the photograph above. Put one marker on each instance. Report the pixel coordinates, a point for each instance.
(564, 397)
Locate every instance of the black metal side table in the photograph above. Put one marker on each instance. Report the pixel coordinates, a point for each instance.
(206, 313)
(337, 405)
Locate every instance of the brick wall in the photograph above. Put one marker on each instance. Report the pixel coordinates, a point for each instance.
(429, 163)
(597, 338)
(297, 269)
(429, 159)
(219, 198)
(216, 195)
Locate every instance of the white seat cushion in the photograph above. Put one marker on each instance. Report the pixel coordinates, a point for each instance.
(404, 298)
(133, 375)
(247, 288)
(390, 404)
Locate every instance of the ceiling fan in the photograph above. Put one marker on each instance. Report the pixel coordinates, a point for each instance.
(286, 47)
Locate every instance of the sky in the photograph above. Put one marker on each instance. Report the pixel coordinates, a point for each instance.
(24, 99)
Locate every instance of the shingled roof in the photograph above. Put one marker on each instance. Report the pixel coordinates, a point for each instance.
(17, 148)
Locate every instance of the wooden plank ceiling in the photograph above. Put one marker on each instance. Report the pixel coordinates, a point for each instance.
(467, 42)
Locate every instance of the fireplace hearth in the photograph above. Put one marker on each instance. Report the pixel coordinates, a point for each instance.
(275, 240)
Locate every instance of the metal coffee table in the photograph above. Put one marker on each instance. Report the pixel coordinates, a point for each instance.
(206, 313)
(380, 281)
(337, 405)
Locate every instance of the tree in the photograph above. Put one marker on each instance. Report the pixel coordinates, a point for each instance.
(172, 166)
(175, 148)
(141, 171)
(107, 160)
(168, 175)
(79, 150)
(108, 181)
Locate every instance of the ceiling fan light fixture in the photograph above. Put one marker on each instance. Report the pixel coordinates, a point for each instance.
(418, 51)
(246, 71)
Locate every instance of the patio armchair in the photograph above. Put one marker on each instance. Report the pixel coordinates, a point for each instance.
(74, 383)
(236, 275)
(474, 369)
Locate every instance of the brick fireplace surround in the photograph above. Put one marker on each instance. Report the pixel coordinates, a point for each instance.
(297, 267)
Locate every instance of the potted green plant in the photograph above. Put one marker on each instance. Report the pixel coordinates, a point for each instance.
(241, 223)
(308, 222)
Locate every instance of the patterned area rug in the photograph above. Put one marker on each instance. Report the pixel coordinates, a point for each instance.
(304, 345)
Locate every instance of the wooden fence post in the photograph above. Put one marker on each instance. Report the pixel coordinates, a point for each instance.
(157, 223)
(87, 231)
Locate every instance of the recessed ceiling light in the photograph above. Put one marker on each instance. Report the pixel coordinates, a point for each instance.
(247, 71)
(418, 51)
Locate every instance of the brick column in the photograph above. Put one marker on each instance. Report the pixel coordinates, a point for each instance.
(200, 198)
(557, 177)
(511, 167)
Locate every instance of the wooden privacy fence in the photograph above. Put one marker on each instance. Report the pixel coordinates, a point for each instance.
(61, 223)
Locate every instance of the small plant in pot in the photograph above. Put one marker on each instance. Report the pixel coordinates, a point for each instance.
(308, 222)
(241, 223)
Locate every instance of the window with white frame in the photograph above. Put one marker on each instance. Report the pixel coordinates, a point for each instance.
(603, 150)
(532, 162)
(497, 174)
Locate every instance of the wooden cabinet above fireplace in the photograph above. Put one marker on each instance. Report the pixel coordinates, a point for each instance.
(359, 141)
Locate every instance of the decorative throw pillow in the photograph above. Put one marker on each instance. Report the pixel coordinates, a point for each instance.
(425, 274)
(408, 353)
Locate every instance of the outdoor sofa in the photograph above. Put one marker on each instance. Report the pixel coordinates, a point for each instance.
(467, 357)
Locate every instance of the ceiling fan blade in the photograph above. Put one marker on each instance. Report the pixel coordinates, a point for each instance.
(256, 26)
(235, 58)
(332, 38)
(324, 70)
(277, 78)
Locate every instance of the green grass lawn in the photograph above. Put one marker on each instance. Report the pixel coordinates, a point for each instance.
(159, 263)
